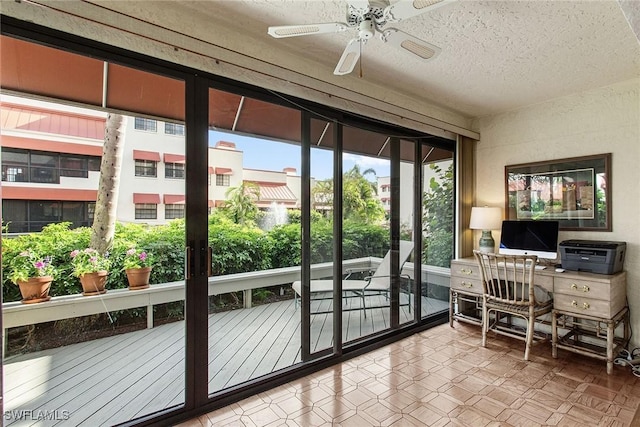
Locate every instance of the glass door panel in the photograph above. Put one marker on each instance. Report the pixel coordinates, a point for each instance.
(255, 236)
(96, 355)
(407, 224)
(321, 235)
(437, 228)
(366, 237)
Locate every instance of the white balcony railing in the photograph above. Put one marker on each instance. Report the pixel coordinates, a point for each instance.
(16, 314)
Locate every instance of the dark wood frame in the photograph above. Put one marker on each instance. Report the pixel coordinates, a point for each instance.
(571, 211)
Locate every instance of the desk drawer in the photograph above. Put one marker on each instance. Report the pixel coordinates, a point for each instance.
(587, 306)
(465, 284)
(466, 270)
(582, 288)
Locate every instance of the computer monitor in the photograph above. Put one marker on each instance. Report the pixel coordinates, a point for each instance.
(538, 238)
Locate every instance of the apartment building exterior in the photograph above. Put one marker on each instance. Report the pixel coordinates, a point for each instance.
(51, 156)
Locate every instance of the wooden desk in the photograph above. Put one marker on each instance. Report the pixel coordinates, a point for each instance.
(582, 302)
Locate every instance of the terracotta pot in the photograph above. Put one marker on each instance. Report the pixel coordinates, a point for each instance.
(93, 283)
(36, 289)
(138, 277)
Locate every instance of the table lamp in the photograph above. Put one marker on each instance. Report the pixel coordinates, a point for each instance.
(486, 219)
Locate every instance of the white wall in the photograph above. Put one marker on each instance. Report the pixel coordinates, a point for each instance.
(604, 120)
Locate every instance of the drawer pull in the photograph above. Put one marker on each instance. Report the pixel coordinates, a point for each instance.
(466, 271)
(585, 288)
(467, 284)
(585, 305)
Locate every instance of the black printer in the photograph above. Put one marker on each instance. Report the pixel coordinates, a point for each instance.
(592, 255)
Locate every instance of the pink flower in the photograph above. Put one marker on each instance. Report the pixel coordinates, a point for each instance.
(39, 265)
(74, 253)
(143, 256)
(131, 252)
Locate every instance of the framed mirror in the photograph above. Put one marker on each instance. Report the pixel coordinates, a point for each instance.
(575, 191)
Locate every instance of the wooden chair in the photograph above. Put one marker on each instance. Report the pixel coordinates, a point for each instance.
(508, 282)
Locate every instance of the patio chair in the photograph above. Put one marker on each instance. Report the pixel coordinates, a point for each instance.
(377, 283)
(509, 290)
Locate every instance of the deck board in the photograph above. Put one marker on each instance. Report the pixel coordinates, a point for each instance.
(103, 382)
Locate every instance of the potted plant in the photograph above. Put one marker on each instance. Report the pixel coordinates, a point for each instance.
(137, 264)
(33, 274)
(92, 269)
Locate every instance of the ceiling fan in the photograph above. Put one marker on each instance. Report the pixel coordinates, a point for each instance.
(370, 17)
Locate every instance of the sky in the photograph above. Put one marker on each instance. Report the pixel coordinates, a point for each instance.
(275, 156)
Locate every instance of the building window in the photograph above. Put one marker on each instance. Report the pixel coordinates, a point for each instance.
(174, 170)
(147, 125)
(174, 129)
(44, 167)
(223, 180)
(74, 166)
(146, 211)
(174, 211)
(24, 216)
(146, 168)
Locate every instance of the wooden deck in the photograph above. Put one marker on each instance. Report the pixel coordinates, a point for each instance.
(115, 379)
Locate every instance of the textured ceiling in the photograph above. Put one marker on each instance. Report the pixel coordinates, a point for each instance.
(496, 55)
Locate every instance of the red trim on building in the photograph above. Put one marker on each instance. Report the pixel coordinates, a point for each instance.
(31, 193)
(174, 199)
(146, 155)
(37, 119)
(223, 171)
(173, 158)
(146, 198)
(211, 203)
(226, 144)
(211, 170)
(52, 146)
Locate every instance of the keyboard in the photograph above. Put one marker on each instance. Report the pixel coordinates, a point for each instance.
(537, 267)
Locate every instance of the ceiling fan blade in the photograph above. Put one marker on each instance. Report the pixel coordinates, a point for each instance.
(410, 44)
(404, 9)
(358, 4)
(349, 58)
(306, 29)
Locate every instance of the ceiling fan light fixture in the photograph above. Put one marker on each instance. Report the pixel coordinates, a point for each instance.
(418, 49)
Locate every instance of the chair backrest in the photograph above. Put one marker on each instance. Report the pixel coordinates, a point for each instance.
(381, 278)
(507, 278)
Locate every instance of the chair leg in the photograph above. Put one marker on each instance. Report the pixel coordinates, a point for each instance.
(485, 324)
(529, 342)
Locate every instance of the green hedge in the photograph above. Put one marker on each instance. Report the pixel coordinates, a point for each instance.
(235, 249)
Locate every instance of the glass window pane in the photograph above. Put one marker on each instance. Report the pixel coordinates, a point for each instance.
(255, 238)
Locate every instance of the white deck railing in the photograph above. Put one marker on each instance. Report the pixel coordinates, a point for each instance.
(69, 306)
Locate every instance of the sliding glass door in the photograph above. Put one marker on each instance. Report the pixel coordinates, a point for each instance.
(279, 233)
(93, 193)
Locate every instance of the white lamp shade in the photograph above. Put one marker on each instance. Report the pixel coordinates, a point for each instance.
(485, 218)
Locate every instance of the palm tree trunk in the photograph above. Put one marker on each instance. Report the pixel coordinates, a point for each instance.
(104, 220)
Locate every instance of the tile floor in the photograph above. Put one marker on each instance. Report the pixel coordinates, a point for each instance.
(443, 377)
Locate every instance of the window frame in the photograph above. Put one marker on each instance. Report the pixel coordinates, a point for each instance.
(145, 125)
(174, 211)
(171, 170)
(146, 165)
(145, 211)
